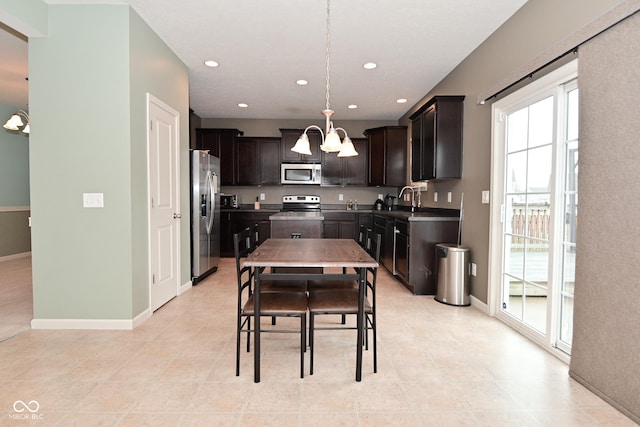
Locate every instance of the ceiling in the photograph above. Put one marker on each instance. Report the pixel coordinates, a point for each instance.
(263, 47)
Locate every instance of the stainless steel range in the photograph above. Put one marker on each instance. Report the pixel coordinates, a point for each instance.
(300, 203)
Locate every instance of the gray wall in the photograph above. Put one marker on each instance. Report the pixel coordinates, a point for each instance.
(15, 234)
(606, 334)
(516, 43)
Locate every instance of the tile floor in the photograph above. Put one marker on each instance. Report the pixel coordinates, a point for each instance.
(438, 366)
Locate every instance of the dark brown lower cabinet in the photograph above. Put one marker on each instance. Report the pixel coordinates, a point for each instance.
(340, 225)
(232, 222)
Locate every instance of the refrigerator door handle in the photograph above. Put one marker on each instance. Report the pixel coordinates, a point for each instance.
(209, 186)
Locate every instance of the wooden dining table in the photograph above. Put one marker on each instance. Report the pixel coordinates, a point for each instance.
(345, 254)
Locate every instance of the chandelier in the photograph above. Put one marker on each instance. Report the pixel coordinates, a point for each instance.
(15, 122)
(330, 138)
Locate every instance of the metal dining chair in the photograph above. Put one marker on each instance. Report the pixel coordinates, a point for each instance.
(272, 304)
(344, 301)
(314, 285)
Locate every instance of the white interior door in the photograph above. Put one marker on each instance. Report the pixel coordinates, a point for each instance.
(164, 217)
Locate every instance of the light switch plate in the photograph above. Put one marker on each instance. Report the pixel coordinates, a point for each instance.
(340, 197)
(262, 196)
(473, 269)
(435, 196)
(92, 200)
(449, 197)
(485, 197)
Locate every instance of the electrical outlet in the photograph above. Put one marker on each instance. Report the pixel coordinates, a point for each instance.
(485, 197)
(340, 197)
(435, 196)
(92, 200)
(473, 269)
(449, 197)
(262, 196)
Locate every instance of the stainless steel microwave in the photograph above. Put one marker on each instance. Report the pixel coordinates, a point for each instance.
(300, 173)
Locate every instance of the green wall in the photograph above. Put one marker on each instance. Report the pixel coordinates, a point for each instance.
(156, 70)
(88, 98)
(15, 234)
(14, 163)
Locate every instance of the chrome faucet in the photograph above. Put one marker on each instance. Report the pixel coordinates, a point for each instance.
(413, 198)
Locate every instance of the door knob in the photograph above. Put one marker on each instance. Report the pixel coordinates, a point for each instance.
(177, 216)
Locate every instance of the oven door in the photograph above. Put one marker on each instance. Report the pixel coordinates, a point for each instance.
(297, 173)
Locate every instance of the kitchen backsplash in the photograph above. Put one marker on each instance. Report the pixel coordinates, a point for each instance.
(366, 196)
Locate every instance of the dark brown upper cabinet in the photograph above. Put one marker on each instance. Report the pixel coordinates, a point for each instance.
(289, 139)
(258, 161)
(222, 144)
(436, 139)
(346, 170)
(387, 156)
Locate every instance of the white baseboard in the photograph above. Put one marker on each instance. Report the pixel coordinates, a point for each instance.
(475, 302)
(96, 324)
(185, 287)
(15, 256)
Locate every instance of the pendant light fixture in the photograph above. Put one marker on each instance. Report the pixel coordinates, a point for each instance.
(15, 122)
(330, 138)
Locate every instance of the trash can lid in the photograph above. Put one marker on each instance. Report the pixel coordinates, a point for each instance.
(454, 247)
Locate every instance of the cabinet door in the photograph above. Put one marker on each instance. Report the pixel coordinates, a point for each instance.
(220, 143)
(355, 168)
(416, 149)
(429, 143)
(226, 237)
(376, 158)
(332, 169)
(269, 164)
(347, 230)
(448, 151)
(289, 139)
(402, 256)
(396, 156)
(330, 229)
(247, 162)
(208, 139)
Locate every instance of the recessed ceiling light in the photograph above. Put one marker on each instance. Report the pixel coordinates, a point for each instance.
(401, 101)
(302, 82)
(369, 65)
(211, 63)
(352, 106)
(243, 105)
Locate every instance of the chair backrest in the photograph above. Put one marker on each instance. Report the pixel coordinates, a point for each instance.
(243, 245)
(373, 249)
(362, 236)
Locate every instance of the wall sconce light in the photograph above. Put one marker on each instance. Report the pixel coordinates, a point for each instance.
(15, 122)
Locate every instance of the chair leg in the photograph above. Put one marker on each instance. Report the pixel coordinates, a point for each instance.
(311, 325)
(375, 343)
(238, 345)
(303, 342)
(248, 334)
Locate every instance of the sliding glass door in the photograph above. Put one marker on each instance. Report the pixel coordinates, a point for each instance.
(534, 171)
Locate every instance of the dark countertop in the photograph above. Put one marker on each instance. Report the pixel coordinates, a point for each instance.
(399, 212)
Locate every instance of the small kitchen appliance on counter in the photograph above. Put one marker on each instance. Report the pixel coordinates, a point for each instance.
(228, 201)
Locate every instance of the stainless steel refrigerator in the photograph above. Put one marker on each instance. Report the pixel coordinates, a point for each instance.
(205, 214)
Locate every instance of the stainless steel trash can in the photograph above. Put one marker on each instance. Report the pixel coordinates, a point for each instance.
(453, 274)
